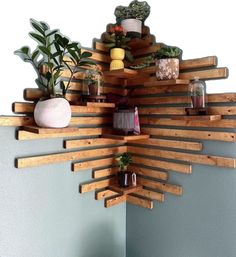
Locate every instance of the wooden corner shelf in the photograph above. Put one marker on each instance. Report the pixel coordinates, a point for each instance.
(125, 190)
(99, 104)
(126, 137)
(122, 73)
(38, 130)
(167, 82)
(197, 117)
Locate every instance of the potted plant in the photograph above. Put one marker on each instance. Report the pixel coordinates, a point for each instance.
(123, 175)
(198, 93)
(93, 82)
(132, 17)
(167, 62)
(53, 54)
(117, 40)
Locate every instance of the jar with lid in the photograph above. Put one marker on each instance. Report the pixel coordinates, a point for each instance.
(197, 91)
(93, 83)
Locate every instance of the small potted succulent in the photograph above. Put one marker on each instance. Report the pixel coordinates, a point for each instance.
(124, 161)
(132, 17)
(167, 62)
(198, 93)
(93, 82)
(53, 54)
(117, 40)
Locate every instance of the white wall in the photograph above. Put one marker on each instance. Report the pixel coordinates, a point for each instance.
(200, 28)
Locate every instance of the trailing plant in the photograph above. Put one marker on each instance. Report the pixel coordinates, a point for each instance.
(135, 10)
(124, 160)
(147, 61)
(168, 52)
(117, 38)
(94, 76)
(53, 54)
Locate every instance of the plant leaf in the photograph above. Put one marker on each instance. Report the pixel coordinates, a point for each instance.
(49, 33)
(44, 50)
(36, 25)
(35, 54)
(86, 55)
(38, 38)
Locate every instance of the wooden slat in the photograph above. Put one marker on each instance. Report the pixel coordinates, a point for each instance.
(97, 104)
(212, 98)
(91, 120)
(39, 130)
(125, 190)
(121, 73)
(68, 156)
(170, 82)
(221, 110)
(97, 56)
(93, 164)
(151, 194)
(169, 188)
(198, 117)
(193, 134)
(210, 160)
(75, 143)
(109, 202)
(149, 172)
(229, 123)
(183, 168)
(25, 135)
(29, 108)
(84, 188)
(99, 195)
(145, 203)
(163, 111)
(152, 90)
(105, 172)
(186, 145)
(16, 121)
(125, 137)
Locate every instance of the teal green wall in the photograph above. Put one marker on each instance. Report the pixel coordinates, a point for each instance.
(43, 215)
(201, 223)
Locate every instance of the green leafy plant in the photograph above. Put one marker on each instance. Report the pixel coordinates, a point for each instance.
(168, 52)
(117, 38)
(53, 54)
(124, 160)
(135, 10)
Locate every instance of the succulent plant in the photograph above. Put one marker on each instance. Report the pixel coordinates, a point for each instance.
(135, 10)
(168, 52)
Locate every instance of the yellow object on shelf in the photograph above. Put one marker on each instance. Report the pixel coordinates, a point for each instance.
(117, 56)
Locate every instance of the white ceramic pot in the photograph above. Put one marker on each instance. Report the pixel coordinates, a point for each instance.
(133, 27)
(52, 113)
(167, 68)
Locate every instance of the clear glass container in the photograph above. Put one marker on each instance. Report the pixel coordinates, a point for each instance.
(93, 82)
(197, 91)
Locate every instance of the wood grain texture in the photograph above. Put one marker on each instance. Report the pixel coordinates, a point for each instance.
(109, 202)
(92, 120)
(99, 195)
(169, 188)
(167, 165)
(192, 134)
(105, 172)
(151, 194)
(135, 199)
(125, 137)
(16, 121)
(68, 156)
(210, 160)
(39, 130)
(149, 172)
(88, 187)
(186, 145)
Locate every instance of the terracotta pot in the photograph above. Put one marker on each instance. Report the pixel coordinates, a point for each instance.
(117, 56)
(133, 27)
(167, 68)
(52, 113)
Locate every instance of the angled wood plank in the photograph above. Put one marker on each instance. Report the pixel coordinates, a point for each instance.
(125, 137)
(163, 111)
(75, 143)
(182, 168)
(193, 134)
(125, 190)
(121, 73)
(186, 145)
(105, 172)
(109, 202)
(79, 166)
(16, 121)
(171, 82)
(198, 117)
(149, 172)
(88, 187)
(25, 162)
(25, 135)
(96, 104)
(151, 194)
(222, 110)
(39, 130)
(224, 123)
(145, 203)
(99, 195)
(210, 160)
(91, 120)
(169, 188)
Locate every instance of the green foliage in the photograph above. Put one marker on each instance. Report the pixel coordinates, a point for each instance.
(168, 52)
(124, 160)
(135, 10)
(53, 54)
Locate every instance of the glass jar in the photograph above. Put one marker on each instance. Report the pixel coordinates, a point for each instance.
(197, 91)
(93, 82)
